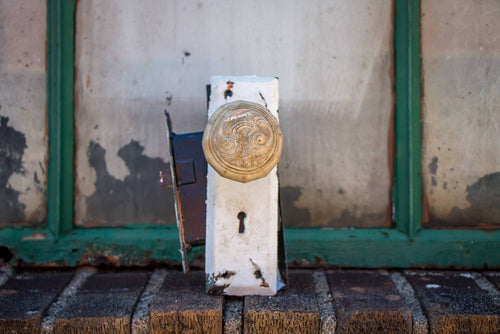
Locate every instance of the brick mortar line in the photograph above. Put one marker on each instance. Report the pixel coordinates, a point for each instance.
(420, 322)
(492, 273)
(328, 320)
(49, 320)
(5, 273)
(485, 284)
(141, 315)
(233, 316)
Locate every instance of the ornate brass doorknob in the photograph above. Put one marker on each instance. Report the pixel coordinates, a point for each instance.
(242, 141)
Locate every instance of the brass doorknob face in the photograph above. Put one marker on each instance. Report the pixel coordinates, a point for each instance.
(242, 141)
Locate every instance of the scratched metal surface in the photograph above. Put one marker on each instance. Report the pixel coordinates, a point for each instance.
(191, 172)
(23, 117)
(461, 113)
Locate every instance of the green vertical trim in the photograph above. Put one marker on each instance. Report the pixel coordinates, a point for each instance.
(415, 164)
(67, 112)
(54, 107)
(407, 189)
(60, 55)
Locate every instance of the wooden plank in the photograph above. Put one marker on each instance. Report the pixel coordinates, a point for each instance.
(368, 302)
(293, 310)
(104, 304)
(242, 259)
(25, 297)
(182, 305)
(455, 303)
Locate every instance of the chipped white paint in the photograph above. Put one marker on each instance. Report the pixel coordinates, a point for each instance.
(461, 109)
(23, 98)
(334, 59)
(35, 236)
(242, 257)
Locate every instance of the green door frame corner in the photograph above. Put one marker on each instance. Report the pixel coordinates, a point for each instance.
(59, 243)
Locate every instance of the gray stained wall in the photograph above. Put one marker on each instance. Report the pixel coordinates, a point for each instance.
(23, 117)
(461, 113)
(334, 61)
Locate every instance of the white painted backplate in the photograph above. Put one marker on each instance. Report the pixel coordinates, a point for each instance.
(242, 263)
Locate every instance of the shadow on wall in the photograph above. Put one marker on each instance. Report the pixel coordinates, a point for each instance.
(139, 198)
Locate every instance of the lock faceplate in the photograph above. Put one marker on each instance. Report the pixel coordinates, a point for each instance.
(242, 141)
(242, 249)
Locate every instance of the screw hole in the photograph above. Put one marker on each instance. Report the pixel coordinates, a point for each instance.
(228, 92)
(242, 216)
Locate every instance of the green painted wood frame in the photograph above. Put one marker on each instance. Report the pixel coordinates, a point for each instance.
(405, 245)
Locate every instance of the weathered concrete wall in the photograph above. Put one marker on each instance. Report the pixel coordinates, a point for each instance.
(23, 117)
(461, 112)
(334, 61)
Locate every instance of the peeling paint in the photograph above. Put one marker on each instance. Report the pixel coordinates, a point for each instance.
(23, 105)
(259, 275)
(35, 236)
(138, 198)
(225, 275)
(484, 204)
(211, 285)
(12, 146)
(292, 214)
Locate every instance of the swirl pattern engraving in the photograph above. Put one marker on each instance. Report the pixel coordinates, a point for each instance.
(242, 141)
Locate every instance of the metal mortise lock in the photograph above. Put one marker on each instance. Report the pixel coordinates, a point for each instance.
(242, 144)
(242, 141)
(240, 222)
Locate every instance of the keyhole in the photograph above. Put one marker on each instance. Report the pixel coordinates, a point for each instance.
(241, 216)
